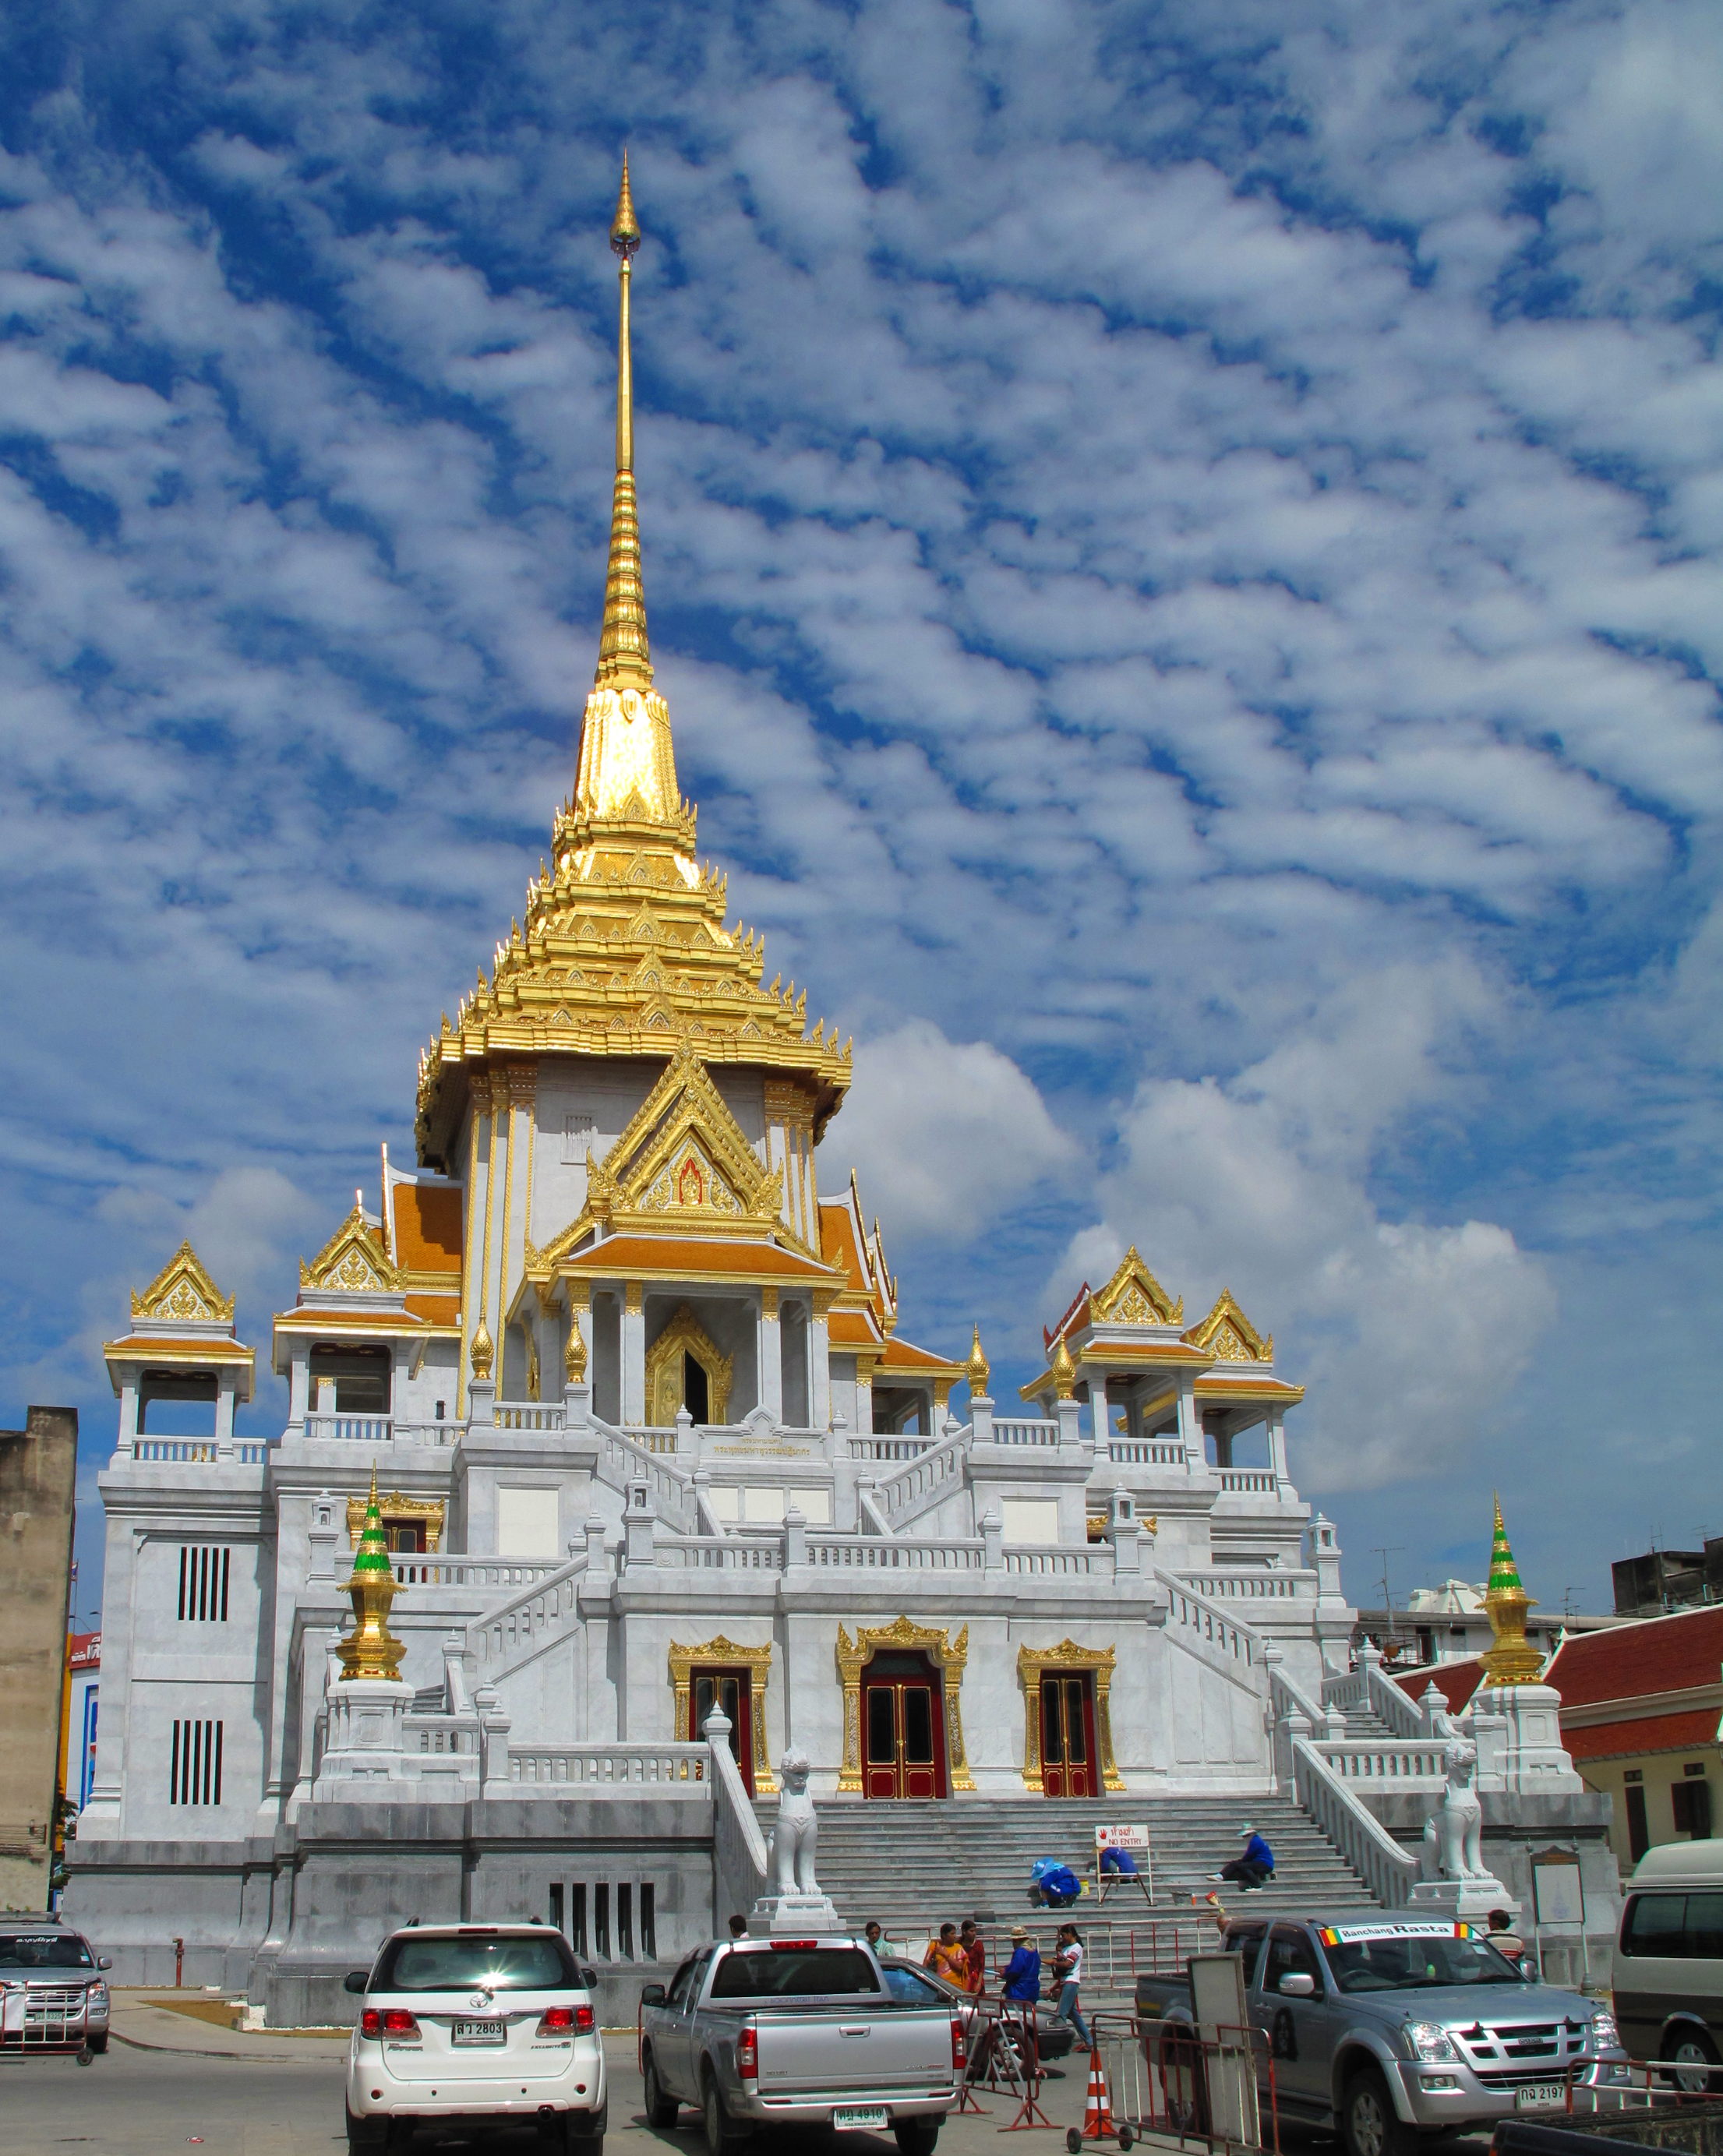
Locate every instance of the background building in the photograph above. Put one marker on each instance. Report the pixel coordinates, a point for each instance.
(37, 1483)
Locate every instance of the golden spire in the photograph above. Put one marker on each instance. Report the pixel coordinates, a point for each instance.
(1064, 1372)
(1512, 1659)
(625, 659)
(371, 1650)
(977, 1369)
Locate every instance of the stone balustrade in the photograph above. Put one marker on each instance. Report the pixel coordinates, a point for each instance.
(878, 1553)
(1386, 1761)
(416, 1571)
(593, 1767)
(889, 1448)
(1059, 1563)
(1017, 1431)
(1254, 1583)
(1248, 1481)
(531, 1414)
(198, 1451)
(1147, 1452)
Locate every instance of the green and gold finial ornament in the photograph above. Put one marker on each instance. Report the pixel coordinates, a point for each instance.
(371, 1650)
(1512, 1659)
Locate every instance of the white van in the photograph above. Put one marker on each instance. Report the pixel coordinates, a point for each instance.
(1669, 1962)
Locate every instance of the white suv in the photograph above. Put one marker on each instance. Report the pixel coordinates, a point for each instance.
(476, 2021)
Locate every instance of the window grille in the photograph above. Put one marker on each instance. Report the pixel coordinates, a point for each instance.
(204, 1569)
(194, 1764)
(576, 1138)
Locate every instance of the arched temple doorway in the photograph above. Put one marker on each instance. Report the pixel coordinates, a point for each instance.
(686, 1367)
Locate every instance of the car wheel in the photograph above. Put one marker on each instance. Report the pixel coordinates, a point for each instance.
(916, 2137)
(367, 2135)
(722, 2138)
(661, 2109)
(1369, 2124)
(97, 2044)
(1693, 2054)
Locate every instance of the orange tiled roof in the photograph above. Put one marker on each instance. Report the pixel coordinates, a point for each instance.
(686, 1258)
(1683, 1732)
(905, 1355)
(427, 1228)
(1625, 1661)
(853, 1328)
(1456, 1681)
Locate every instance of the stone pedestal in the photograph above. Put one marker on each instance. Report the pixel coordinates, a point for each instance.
(1467, 1899)
(366, 1741)
(794, 1916)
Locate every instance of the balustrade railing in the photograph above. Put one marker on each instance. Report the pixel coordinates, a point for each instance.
(531, 1414)
(1146, 1452)
(650, 1437)
(718, 1553)
(1192, 1612)
(919, 1482)
(202, 1452)
(1385, 1867)
(606, 1766)
(1256, 1481)
(1018, 1431)
(878, 1553)
(1254, 1583)
(1061, 1563)
(415, 1571)
(350, 1429)
(890, 1448)
(1386, 1761)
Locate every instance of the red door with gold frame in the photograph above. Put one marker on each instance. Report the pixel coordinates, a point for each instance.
(1067, 1734)
(732, 1690)
(903, 1727)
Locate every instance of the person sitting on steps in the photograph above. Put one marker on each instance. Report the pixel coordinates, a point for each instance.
(1252, 1869)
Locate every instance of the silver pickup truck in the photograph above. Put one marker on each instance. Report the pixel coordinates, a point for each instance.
(796, 2032)
(1389, 2027)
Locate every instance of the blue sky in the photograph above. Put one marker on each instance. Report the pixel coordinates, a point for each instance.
(1182, 544)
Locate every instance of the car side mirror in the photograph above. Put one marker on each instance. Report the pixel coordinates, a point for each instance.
(104, 1961)
(1527, 1969)
(354, 1980)
(1297, 1983)
(651, 1994)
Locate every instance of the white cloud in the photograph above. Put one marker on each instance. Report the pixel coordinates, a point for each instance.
(944, 1138)
(1410, 1335)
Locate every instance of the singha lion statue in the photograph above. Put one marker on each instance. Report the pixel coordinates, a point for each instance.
(796, 1834)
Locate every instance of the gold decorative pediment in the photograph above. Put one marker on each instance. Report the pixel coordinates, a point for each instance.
(1228, 1335)
(395, 1507)
(353, 1261)
(183, 1293)
(1133, 1297)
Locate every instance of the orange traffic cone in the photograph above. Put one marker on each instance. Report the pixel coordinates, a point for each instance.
(1097, 2114)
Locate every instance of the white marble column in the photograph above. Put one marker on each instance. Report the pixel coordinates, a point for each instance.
(1098, 1412)
(771, 1355)
(1191, 1426)
(1277, 1448)
(634, 1351)
(299, 1388)
(819, 1369)
(865, 1368)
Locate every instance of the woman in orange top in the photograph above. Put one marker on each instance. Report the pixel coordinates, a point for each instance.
(947, 1959)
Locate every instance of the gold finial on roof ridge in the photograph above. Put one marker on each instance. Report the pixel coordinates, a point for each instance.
(1064, 1372)
(978, 1370)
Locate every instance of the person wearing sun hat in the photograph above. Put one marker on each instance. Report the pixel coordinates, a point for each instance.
(1254, 1865)
(1021, 1977)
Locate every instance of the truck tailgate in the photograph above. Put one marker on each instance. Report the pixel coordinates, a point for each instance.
(855, 2054)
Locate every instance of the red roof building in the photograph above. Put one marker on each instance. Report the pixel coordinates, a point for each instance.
(1641, 1704)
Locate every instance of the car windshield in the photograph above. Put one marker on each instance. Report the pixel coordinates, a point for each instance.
(479, 1961)
(794, 1972)
(44, 1950)
(1416, 1964)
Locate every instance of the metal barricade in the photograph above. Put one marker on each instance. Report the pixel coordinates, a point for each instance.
(1167, 2078)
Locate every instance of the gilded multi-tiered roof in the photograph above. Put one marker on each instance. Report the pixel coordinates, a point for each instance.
(626, 948)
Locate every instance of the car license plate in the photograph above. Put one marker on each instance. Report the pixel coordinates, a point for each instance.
(481, 2032)
(1540, 2095)
(860, 2118)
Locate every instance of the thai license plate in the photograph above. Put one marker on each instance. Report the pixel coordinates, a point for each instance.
(860, 2118)
(1540, 2095)
(481, 2032)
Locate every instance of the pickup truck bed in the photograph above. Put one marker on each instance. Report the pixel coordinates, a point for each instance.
(797, 2032)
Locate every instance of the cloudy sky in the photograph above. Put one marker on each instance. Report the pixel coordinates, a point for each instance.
(1182, 544)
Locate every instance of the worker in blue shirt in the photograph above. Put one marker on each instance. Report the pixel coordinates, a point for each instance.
(1254, 1866)
(1114, 1859)
(1021, 1977)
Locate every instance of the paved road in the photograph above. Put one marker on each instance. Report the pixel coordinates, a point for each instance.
(137, 2102)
